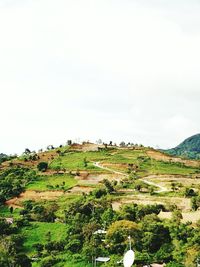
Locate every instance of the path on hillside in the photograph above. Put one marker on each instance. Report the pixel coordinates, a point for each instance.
(161, 188)
(97, 164)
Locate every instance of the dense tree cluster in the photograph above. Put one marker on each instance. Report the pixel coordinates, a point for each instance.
(153, 240)
(13, 181)
(11, 246)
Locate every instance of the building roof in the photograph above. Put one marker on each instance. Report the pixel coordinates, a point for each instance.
(102, 259)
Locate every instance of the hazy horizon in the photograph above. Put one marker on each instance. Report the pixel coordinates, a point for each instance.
(114, 70)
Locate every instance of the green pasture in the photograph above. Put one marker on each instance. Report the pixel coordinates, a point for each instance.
(37, 232)
(76, 161)
(161, 167)
(52, 182)
(5, 212)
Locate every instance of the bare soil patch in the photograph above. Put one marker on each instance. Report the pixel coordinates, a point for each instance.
(33, 195)
(85, 147)
(80, 189)
(182, 203)
(46, 156)
(118, 166)
(138, 199)
(167, 180)
(187, 216)
(117, 204)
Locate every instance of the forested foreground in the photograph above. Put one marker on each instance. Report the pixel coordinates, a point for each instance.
(153, 240)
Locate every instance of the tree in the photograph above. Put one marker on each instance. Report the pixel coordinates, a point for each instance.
(154, 233)
(27, 151)
(99, 142)
(49, 261)
(22, 260)
(50, 147)
(189, 192)
(108, 186)
(85, 162)
(117, 235)
(122, 144)
(174, 186)
(192, 256)
(174, 264)
(11, 209)
(195, 202)
(151, 190)
(39, 248)
(42, 166)
(177, 216)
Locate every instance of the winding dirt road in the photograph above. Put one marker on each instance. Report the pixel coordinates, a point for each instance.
(161, 188)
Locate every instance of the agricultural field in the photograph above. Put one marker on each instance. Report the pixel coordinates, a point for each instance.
(52, 182)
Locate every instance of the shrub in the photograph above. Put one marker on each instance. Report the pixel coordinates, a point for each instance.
(42, 166)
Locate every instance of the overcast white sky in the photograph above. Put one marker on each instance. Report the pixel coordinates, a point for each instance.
(115, 70)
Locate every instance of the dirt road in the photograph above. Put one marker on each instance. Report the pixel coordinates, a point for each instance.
(161, 188)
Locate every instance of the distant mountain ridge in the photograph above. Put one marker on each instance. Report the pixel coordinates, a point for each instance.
(189, 148)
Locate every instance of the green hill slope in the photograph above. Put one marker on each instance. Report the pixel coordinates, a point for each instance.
(189, 148)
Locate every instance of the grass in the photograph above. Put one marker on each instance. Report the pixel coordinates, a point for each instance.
(5, 212)
(52, 182)
(160, 167)
(37, 233)
(75, 160)
(66, 261)
(147, 166)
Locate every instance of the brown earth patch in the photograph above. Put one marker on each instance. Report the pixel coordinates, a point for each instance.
(117, 204)
(95, 178)
(46, 156)
(182, 203)
(85, 147)
(80, 189)
(167, 180)
(116, 166)
(33, 195)
(192, 216)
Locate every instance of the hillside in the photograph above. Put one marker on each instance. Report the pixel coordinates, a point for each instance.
(130, 190)
(4, 157)
(189, 148)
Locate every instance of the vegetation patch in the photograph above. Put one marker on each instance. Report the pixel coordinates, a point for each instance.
(52, 182)
(42, 233)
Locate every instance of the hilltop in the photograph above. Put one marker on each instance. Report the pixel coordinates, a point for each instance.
(189, 148)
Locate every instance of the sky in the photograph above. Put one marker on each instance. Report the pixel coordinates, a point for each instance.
(121, 70)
